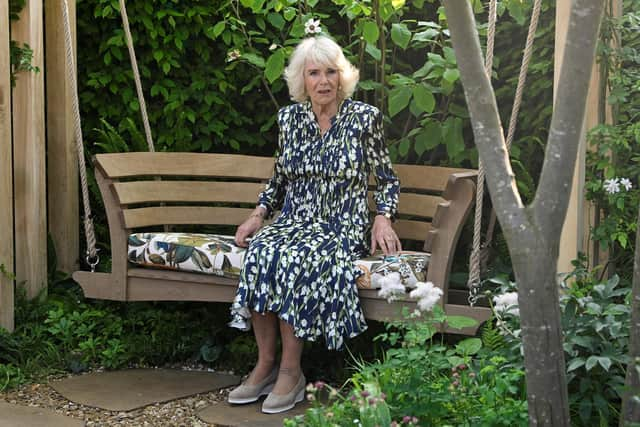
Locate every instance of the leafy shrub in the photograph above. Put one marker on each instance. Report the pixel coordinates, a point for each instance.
(596, 317)
(422, 381)
(64, 332)
(595, 323)
(615, 154)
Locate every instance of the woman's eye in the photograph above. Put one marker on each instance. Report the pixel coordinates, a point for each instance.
(332, 71)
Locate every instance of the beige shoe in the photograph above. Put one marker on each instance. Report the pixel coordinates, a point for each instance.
(276, 403)
(250, 393)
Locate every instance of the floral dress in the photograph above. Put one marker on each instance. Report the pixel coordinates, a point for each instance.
(301, 266)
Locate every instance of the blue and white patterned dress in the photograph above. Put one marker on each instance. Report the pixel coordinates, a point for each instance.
(301, 265)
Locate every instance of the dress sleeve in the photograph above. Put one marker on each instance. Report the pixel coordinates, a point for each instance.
(272, 197)
(387, 182)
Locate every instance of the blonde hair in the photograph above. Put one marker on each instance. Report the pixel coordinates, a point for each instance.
(322, 51)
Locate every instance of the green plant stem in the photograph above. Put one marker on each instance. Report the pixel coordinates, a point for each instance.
(236, 9)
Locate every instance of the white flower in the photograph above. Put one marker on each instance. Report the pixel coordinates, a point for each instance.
(626, 183)
(507, 303)
(312, 26)
(427, 295)
(612, 186)
(391, 287)
(232, 55)
(273, 46)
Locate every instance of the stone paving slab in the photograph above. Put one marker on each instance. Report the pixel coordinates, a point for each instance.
(134, 388)
(223, 414)
(28, 416)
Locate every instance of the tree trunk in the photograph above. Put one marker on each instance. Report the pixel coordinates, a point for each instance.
(631, 399)
(533, 232)
(545, 370)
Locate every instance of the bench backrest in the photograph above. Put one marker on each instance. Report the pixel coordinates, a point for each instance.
(154, 189)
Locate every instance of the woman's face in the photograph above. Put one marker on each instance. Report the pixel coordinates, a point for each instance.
(321, 83)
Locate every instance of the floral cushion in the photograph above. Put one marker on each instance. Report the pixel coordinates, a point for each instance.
(218, 254)
(201, 253)
(410, 266)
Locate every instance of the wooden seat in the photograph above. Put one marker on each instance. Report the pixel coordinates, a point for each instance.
(147, 190)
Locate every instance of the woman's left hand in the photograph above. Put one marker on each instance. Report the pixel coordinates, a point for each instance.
(383, 236)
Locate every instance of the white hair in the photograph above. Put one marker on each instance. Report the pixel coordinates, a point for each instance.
(325, 52)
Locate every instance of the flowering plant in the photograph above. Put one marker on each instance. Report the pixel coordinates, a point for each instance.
(312, 27)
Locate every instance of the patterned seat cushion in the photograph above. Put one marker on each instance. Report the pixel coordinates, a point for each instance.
(218, 255)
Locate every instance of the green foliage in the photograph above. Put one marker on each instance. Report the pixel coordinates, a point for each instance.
(616, 153)
(422, 381)
(62, 332)
(595, 324)
(596, 318)
(192, 96)
(20, 55)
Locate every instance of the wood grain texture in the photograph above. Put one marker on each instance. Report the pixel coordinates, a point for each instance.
(159, 215)
(29, 156)
(6, 175)
(193, 164)
(62, 161)
(425, 177)
(187, 191)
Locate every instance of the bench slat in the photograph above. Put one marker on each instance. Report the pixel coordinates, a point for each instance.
(205, 215)
(187, 191)
(412, 204)
(412, 230)
(177, 215)
(428, 178)
(121, 165)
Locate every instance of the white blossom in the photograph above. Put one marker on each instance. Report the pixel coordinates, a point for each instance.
(390, 287)
(232, 55)
(507, 303)
(312, 26)
(427, 295)
(626, 183)
(612, 185)
(273, 46)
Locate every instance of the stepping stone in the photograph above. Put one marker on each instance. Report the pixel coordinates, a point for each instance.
(223, 414)
(134, 388)
(28, 416)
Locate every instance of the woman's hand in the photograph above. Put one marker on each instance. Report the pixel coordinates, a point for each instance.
(249, 227)
(382, 235)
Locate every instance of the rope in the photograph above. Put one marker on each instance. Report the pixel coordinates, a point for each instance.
(136, 75)
(522, 78)
(92, 253)
(473, 282)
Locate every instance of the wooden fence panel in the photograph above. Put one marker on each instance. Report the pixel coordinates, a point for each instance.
(6, 174)
(29, 157)
(62, 164)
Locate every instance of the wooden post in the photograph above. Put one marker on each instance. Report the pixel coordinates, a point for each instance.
(29, 157)
(6, 174)
(62, 163)
(581, 213)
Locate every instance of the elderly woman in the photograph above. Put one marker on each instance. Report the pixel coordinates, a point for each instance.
(299, 277)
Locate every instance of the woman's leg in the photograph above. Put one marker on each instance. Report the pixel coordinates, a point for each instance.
(290, 369)
(265, 329)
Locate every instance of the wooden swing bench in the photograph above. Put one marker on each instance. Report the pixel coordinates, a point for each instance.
(198, 189)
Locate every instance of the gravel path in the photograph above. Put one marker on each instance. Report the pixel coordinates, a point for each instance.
(177, 413)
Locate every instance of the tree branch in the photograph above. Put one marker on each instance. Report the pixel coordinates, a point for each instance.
(552, 195)
(485, 120)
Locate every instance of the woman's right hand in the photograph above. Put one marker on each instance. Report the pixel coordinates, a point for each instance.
(249, 227)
